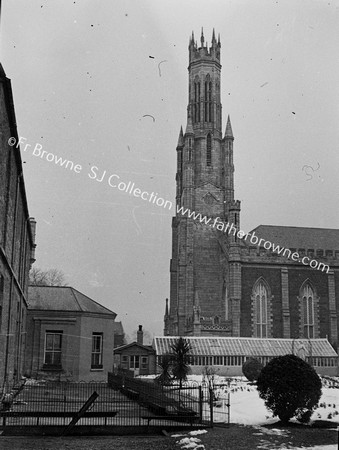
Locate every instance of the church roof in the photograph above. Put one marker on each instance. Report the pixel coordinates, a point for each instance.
(299, 237)
(246, 346)
(63, 298)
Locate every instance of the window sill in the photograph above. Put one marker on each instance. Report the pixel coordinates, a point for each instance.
(97, 366)
(96, 370)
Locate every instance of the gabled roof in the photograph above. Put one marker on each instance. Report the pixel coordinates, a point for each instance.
(299, 237)
(120, 349)
(245, 346)
(63, 298)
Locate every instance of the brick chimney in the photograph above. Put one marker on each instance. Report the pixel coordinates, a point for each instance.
(140, 336)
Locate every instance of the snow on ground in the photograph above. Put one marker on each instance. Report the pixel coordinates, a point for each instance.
(191, 442)
(195, 432)
(319, 447)
(248, 408)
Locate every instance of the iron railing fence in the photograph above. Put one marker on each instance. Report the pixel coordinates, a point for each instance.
(162, 403)
(56, 403)
(216, 404)
(120, 402)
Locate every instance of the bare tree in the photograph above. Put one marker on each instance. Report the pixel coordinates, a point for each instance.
(50, 277)
(209, 377)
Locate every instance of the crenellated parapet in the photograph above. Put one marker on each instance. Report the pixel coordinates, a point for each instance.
(204, 51)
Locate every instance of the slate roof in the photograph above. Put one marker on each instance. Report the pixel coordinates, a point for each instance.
(118, 328)
(299, 237)
(63, 298)
(120, 349)
(244, 346)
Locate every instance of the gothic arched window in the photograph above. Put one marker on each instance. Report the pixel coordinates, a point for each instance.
(209, 150)
(261, 309)
(210, 102)
(189, 155)
(196, 115)
(307, 299)
(208, 99)
(189, 152)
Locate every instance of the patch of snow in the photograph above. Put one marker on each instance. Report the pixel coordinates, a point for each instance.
(319, 447)
(187, 440)
(272, 431)
(195, 432)
(190, 445)
(184, 441)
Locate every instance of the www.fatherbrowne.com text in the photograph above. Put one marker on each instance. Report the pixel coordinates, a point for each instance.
(113, 180)
(254, 239)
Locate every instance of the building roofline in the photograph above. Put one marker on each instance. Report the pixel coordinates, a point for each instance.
(293, 226)
(146, 347)
(109, 312)
(242, 338)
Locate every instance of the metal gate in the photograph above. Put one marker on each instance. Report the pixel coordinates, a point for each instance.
(215, 402)
(218, 404)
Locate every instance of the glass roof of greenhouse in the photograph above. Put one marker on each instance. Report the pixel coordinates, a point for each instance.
(246, 346)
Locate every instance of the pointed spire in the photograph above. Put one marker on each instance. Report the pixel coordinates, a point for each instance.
(189, 127)
(219, 39)
(2, 72)
(191, 39)
(202, 39)
(181, 138)
(213, 36)
(228, 131)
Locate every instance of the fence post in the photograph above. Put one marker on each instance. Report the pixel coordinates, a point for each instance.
(211, 406)
(229, 406)
(200, 402)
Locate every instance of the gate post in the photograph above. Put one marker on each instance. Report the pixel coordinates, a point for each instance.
(211, 406)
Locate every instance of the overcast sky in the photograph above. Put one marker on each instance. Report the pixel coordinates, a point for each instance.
(85, 73)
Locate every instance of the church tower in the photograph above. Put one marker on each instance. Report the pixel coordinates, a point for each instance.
(205, 264)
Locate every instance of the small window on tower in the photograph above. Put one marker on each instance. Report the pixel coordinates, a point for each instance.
(209, 150)
(196, 106)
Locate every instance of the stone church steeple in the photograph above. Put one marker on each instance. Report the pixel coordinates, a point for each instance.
(200, 271)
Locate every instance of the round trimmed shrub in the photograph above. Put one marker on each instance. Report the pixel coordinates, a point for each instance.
(252, 368)
(290, 388)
